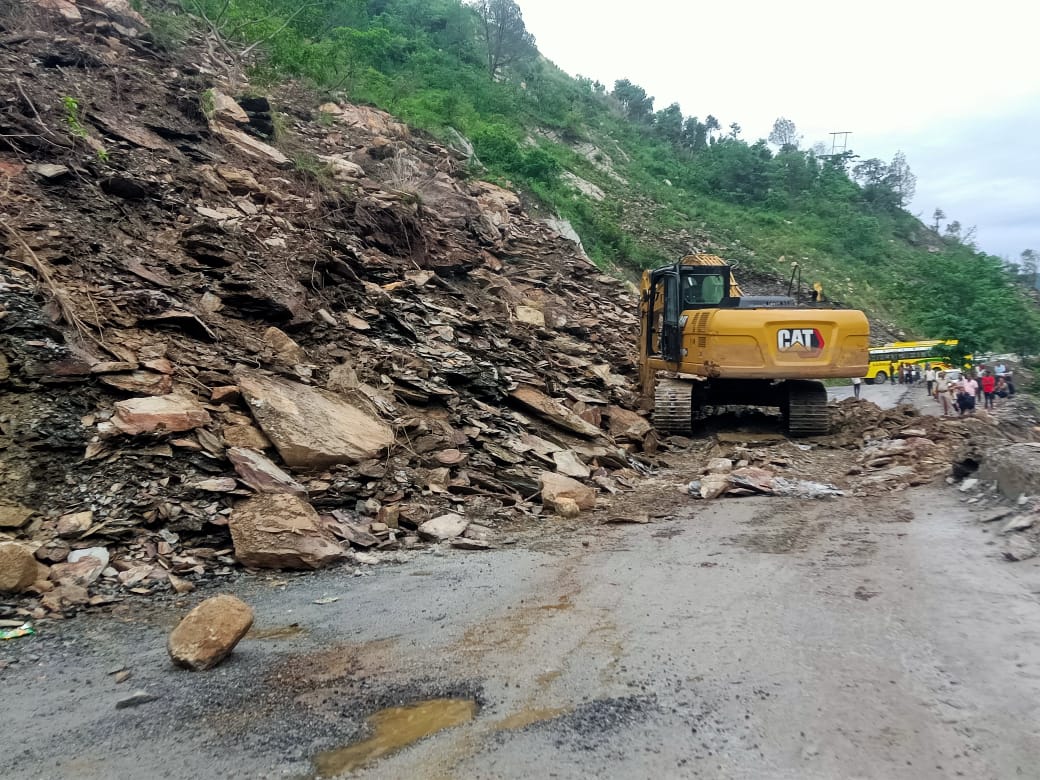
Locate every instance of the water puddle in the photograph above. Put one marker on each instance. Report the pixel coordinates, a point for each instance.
(277, 632)
(523, 718)
(394, 729)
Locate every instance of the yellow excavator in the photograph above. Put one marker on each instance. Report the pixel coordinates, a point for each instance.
(720, 347)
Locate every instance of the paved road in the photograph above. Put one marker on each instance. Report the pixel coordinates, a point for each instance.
(743, 638)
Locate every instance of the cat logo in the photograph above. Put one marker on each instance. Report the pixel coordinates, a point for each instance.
(805, 340)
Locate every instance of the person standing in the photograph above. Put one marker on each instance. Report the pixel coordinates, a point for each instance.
(989, 388)
(929, 378)
(942, 392)
(856, 382)
(892, 369)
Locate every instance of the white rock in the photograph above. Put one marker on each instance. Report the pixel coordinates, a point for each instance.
(443, 527)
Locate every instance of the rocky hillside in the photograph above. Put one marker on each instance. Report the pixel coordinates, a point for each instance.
(268, 330)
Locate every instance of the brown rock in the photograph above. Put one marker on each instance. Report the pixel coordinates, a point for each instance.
(280, 531)
(567, 507)
(556, 486)
(284, 348)
(208, 634)
(17, 567)
(225, 394)
(247, 144)
(261, 474)
(714, 485)
(443, 527)
(147, 382)
(75, 524)
(553, 410)
(65, 596)
(14, 515)
(568, 463)
(164, 413)
(82, 568)
(719, 466)
(226, 108)
(627, 425)
(313, 428)
(54, 551)
(248, 436)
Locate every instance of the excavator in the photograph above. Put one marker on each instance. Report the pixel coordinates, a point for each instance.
(719, 347)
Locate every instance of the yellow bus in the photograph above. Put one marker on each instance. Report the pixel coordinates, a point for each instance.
(938, 353)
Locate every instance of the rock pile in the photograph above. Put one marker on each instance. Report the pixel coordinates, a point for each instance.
(224, 349)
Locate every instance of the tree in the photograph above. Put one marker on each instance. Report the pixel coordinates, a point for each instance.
(669, 123)
(938, 215)
(901, 179)
(635, 103)
(784, 134)
(1029, 262)
(953, 230)
(711, 124)
(504, 33)
(734, 130)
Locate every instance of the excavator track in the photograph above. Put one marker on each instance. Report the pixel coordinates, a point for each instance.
(807, 413)
(673, 406)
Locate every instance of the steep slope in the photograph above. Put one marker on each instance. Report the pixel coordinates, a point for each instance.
(179, 296)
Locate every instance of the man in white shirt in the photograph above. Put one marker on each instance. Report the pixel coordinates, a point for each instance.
(929, 377)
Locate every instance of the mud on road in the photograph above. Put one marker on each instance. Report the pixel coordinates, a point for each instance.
(876, 636)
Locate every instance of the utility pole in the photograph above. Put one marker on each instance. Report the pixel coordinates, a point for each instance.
(840, 145)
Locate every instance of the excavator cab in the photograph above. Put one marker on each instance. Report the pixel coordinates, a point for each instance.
(675, 289)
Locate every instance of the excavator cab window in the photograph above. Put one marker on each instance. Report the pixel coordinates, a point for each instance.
(705, 287)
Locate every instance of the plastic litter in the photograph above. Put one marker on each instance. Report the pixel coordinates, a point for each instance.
(26, 629)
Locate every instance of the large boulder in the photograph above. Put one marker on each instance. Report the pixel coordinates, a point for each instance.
(312, 428)
(281, 531)
(18, 567)
(557, 486)
(208, 634)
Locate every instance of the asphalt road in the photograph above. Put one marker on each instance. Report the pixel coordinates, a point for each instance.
(742, 638)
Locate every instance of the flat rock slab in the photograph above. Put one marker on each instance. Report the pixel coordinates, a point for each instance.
(553, 411)
(261, 474)
(281, 531)
(567, 462)
(445, 527)
(158, 414)
(208, 634)
(312, 428)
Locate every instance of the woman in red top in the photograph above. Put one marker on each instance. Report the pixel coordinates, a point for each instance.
(989, 387)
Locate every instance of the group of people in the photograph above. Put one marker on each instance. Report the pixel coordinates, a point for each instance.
(961, 395)
(957, 392)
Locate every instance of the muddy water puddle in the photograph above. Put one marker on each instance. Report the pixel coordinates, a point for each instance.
(396, 728)
(530, 716)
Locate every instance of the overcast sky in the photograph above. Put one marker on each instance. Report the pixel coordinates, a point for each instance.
(956, 86)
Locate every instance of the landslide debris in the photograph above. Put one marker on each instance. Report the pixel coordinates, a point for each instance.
(270, 330)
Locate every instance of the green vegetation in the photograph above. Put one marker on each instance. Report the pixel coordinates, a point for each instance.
(668, 179)
(71, 106)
